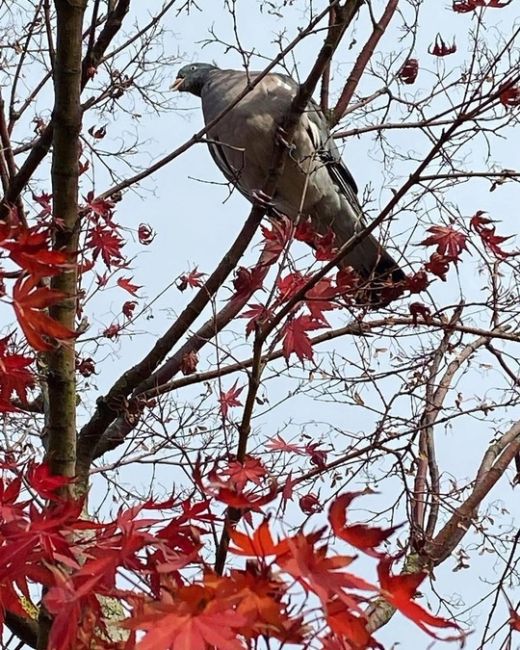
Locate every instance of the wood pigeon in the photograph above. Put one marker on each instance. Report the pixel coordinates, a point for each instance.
(315, 181)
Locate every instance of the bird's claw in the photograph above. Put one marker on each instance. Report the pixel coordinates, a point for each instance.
(262, 199)
(283, 138)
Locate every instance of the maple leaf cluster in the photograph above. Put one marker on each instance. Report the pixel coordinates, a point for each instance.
(466, 6)
(487, 233)
(171, 598)
(449, 244)
(31, 251)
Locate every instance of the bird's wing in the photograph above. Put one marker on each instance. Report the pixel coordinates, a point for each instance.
(218, 153)
(329, 155)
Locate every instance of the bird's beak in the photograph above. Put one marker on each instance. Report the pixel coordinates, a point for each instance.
(176, 85)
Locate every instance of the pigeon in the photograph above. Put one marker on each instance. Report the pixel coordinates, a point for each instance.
(315, 182)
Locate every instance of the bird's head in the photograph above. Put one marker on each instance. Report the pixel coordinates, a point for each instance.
(191, 78)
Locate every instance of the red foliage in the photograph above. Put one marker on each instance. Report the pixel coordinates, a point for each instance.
(39, 328)
(191, 279)
(126, 284)
(399, 592)
(440, 48)
(417, 282)
(247, 281)
(363, 537)
(465, 6)
(419, 309)
(514, 620)
(257, 314)
(510, 96)
(487, 233)
(310, 503)
(450, 242)
(129, 307)
(229, 399)
(189, 363)
(295, 337)
(106, 242)
(79, 562)
(145, 234)
(409, 71)
(15, 376)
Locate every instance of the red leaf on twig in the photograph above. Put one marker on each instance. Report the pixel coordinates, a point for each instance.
(229, 398)
(126, 284)
(487, 233)
(38, 327)
(399, 592)
(409, 71)
(419, 309)
(450, 242)
(296, 339)
(363, 537)
(440, 48)
(191, 279)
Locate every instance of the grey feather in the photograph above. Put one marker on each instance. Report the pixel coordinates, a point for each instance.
(315, 181)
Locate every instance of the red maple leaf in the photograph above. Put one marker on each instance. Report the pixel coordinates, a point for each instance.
(290, 284)
(514, 620)
(189, 362)
(257, 314)
(260, 544)
(419, 309)
(363, 537)
(320, 574)
(510, 96)
(310, 503)
(438, 265)
(99, 207)
(305, 232)
(45, 201)
(191, 279)
(318, 456)
(126, 284)
(30, 249)
(15, 377)
(247, 281)
(409, 71)
(145, 234)
(417, 282)
(450, 242)
(324, 247)
(112, 331)
(296, 339)
(463, 6)
(276, 239)
(251, 469)
(318, 299)
(229, 398)
(45, 483)
(278, 444)
(440, 48)
(29, 302)
(487, 233)
(86, 366)
(399, 592)
(190, 618)
(351, 627)
(129, 307)
(107, 243)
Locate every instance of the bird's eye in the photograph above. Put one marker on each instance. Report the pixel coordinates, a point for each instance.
(193, 68)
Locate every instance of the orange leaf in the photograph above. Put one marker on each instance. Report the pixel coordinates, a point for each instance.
(260, 544)
(36, 324)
